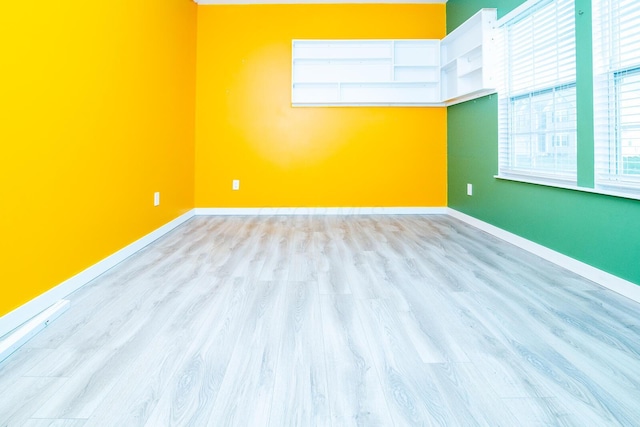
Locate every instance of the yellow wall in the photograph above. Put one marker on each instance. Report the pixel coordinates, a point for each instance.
(98, 109)
(246, 128)
(96, 113)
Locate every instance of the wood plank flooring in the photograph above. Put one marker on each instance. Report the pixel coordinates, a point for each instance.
(331, 321)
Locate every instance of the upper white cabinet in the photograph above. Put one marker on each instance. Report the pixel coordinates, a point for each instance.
(396, 72)
(366, 72)
(467, 57)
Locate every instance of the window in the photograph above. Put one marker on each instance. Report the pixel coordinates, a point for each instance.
(537, 92)
(616, 61)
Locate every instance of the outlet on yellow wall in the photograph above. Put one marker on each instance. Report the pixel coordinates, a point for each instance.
(97, 111)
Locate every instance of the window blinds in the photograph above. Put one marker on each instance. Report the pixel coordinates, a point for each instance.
(537, 95)
(616, 59)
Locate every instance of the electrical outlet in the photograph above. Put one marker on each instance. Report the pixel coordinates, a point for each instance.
(469, 189)
(235, 185)
(156, 198)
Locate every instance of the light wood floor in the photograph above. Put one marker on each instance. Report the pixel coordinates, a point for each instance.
(320, 321)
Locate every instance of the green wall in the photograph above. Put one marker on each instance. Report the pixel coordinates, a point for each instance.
(600, 230)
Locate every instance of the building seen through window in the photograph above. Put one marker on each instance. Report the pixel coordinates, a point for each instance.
(544, 137)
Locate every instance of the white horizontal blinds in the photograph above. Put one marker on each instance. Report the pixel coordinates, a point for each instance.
(537, 93)
(616, 43)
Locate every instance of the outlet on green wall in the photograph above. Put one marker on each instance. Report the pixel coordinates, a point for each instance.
(596, 229)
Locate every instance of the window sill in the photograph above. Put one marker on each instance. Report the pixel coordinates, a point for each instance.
(613, 193)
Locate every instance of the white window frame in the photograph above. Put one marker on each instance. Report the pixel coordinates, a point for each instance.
(616, 56)
(530, 154)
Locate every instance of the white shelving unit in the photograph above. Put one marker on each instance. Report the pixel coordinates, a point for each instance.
(467, 59)
(366, 72)
(420, 72)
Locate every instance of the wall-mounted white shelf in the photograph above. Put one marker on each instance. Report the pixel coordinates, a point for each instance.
(420, 72)
(467, 59)
(366, 72)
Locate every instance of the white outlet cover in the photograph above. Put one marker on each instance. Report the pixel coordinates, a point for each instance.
(156, 198)
(469, 189)
(236, 184)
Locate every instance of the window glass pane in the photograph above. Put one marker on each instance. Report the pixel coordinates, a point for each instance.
(544, 133)
(616, 43)
(628, 86)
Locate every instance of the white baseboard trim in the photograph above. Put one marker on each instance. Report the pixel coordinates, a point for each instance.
(30, 318)
(607, 280)
(322, 211)
(205, 2)
(27, 331)
(25, 321)
(24, 313)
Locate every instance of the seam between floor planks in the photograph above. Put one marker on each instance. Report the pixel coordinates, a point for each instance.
(331, 320)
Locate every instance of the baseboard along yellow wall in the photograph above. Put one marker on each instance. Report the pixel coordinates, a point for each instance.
(97, 113)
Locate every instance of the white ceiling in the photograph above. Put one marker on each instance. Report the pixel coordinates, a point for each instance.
(318, 1)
